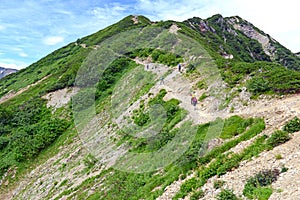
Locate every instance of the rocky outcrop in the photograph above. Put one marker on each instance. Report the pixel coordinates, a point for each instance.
(249, 30)
(200, 24)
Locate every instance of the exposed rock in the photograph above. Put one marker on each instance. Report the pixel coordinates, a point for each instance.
(83, 46)
(237, 178)
(60, 98)
(135, 19)
(203, 27)
(12, 94)
(172, 189)
(249, 31)
(214, 143)
(6, 71)
(174, 28)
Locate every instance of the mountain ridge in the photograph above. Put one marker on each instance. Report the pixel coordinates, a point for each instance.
(231, 27)
(246, 83)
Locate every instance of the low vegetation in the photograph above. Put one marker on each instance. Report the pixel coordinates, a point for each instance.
(157, 56)
(292, 126)
(226, 162)
(258, 186)
(227, 194)
(264, 77)
(25, 131)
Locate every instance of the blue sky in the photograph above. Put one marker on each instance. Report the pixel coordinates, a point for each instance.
(31, 29)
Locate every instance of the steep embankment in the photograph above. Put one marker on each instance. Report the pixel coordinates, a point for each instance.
(68, 168)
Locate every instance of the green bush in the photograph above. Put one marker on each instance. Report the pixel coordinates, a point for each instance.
(203, 96)
(140, 116)
(3, 142)
(262, 193)
(157, 55)
(218, 184)
(227, 195)
(266, 77)
(95, 196)
(190, 68)
(89, 161)
(292, 126)
(278, 138)
(201, 85)
(189, 185)
(197, 195)
(234, 125)
(255, 187)
(258, 85)
(32, 128)
(111, 75)
(284, 169)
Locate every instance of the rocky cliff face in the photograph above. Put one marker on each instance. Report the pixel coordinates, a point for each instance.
(250, 31)
(5, 71)
(238, 37)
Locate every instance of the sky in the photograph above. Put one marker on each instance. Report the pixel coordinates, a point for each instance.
(31, 29)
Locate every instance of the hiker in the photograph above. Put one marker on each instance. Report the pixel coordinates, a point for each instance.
(193, 96)
(194, 102)
(147, 66)
(179, 67)
(162, 80)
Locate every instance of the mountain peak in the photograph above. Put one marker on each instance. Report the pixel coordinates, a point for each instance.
(240, 38)
(189, 112)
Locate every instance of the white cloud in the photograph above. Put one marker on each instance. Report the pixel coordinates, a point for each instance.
(13, 65)
(22, 54)
(108, 11)
(8, 65)
(2, 27)
(53, 40)
(176, 10)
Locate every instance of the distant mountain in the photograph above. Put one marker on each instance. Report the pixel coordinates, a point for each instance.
(6, 71)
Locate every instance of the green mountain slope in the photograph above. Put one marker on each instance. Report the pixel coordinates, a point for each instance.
(82, 116)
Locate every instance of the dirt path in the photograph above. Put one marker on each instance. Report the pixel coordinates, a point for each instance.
(60, 97)
(288, 182)
(177, 87)
(11, 94)
(276, 112)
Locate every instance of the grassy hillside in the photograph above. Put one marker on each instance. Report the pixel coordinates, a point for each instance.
(32, 131)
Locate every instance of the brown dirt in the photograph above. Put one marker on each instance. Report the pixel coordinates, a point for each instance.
(12, 94)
